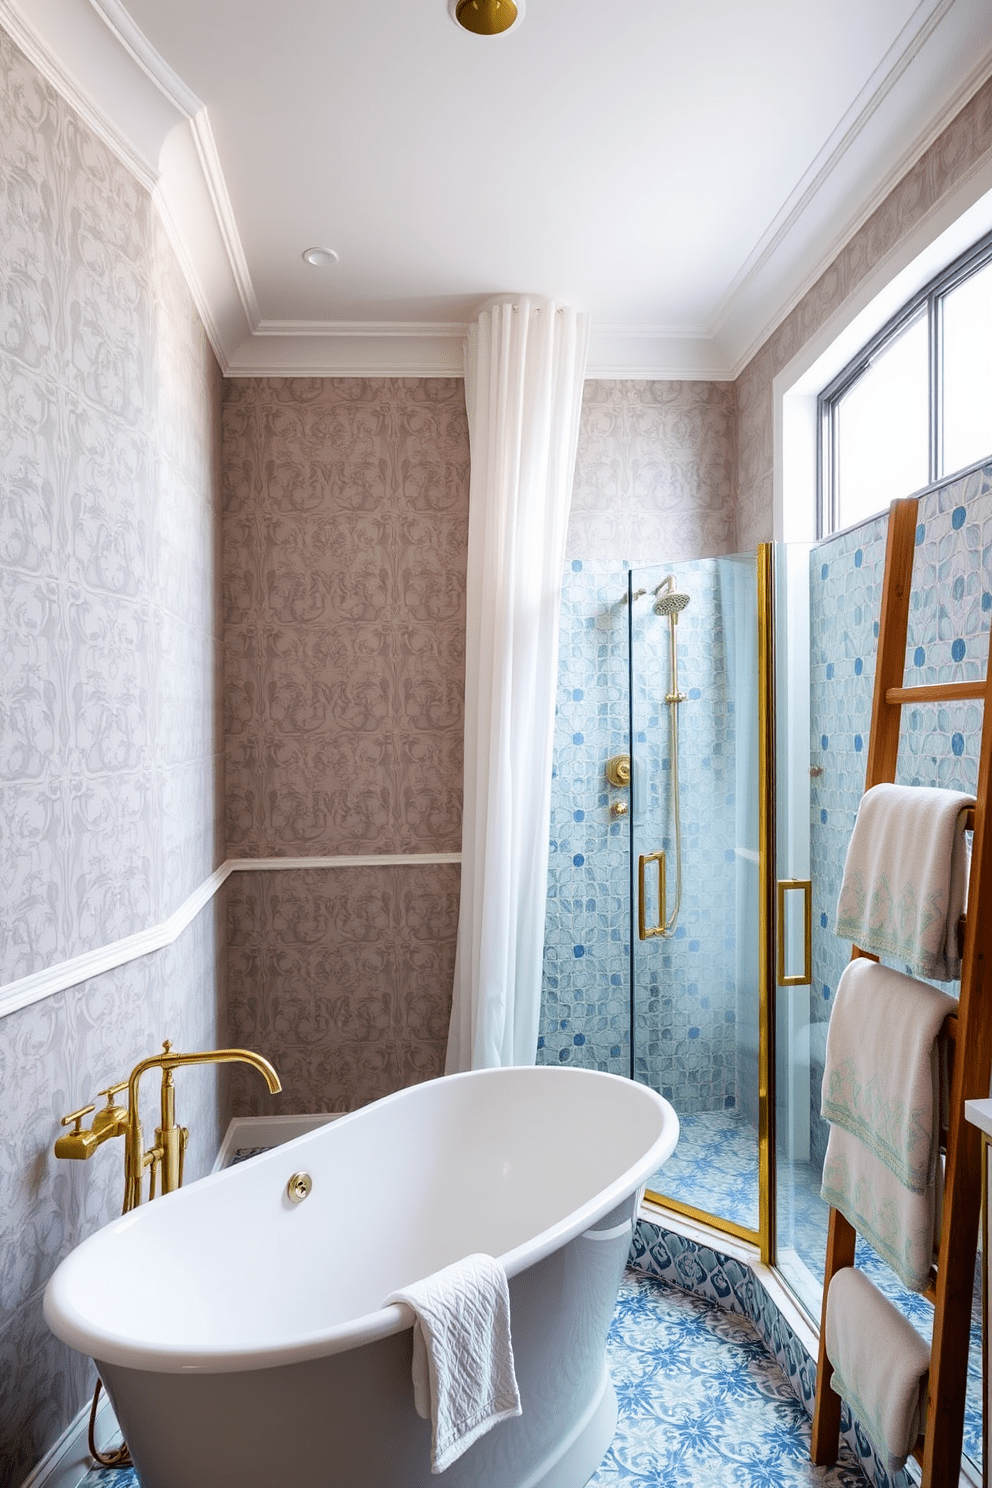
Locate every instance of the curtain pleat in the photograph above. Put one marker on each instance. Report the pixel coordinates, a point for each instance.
(525, 365)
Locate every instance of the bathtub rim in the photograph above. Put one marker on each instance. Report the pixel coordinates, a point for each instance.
(77, 1328)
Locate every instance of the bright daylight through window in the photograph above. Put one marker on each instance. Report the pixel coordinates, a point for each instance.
(915, 404)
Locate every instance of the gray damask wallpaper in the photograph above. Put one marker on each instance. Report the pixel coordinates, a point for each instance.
(111, 766)
(654, 472)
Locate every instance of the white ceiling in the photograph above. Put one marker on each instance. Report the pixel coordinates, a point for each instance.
(682, 172)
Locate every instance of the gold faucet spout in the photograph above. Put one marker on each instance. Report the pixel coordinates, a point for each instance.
(171, 1140)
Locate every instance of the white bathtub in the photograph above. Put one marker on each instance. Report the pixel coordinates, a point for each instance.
(241, 1337)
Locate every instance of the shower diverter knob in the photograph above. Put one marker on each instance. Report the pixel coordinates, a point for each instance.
(618, 770)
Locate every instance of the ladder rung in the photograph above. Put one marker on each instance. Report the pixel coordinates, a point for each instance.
(938, 692)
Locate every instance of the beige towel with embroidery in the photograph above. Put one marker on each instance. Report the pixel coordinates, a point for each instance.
(881, 1365)
(906, 877)
(883, 1089)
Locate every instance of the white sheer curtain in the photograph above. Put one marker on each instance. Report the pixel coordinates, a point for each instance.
(524, 369)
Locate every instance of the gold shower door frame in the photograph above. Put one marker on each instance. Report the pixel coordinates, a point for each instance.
(764, 1236)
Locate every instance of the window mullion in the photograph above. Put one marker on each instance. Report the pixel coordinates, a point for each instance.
(935, 315)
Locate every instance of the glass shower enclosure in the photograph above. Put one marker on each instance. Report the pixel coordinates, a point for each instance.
(695, 845)
(662, 909)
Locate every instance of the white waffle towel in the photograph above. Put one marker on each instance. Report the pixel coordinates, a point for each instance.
(463, 1375)
(906, 877)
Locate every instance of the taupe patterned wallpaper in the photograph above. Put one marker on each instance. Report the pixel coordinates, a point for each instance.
(345, 532)
(345, 975)
(111, 770)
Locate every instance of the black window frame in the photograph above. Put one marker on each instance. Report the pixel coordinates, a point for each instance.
(929, 301)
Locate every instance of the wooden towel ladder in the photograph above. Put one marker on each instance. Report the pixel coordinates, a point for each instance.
(950, 1288)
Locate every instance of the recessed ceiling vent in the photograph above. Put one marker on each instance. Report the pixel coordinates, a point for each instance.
(486, 17)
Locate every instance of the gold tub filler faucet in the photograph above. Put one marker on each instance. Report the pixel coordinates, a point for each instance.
(166, 1158)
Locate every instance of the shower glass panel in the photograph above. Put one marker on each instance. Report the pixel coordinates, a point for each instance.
(695, 889)
(800, 1214)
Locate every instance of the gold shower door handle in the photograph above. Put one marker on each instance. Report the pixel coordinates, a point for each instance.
(645, 931)
(795, 886)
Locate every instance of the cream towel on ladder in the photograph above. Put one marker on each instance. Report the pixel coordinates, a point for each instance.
(882, 1094)
(463, 1375)
(880, 1363)
(906, 877)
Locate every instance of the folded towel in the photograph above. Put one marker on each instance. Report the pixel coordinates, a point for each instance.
(463, 1375)
(881, 1365)
(906, 877)
(883, 1090)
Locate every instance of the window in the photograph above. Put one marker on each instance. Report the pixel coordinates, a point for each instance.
(915, 404)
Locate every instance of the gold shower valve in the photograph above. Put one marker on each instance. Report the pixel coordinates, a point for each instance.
(618, 770)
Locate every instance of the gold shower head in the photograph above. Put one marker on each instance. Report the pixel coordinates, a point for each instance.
(486, 17)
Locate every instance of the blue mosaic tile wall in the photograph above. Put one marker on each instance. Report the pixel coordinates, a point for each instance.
(950, 608)
(686, 989)
(689, 987)
(585, 1008)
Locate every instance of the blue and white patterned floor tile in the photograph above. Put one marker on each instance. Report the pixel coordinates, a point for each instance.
(702, 1405)
(701, 1402)
(715, 1168)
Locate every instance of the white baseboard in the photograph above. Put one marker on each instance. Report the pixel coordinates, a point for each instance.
(66, 1464)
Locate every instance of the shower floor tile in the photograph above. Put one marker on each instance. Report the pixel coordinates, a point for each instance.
(702, 1404)
(714, 1167)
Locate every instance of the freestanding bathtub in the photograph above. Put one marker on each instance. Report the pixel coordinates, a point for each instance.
(242, 1337)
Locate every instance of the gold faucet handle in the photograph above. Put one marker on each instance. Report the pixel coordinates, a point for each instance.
(111, 1119)
(77, 1143)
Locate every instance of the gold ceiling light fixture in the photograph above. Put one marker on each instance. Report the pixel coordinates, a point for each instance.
(486, 17)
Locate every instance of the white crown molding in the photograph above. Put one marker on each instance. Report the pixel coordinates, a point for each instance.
(654, 354)
(372, 329)
(94, 55)
(907, 45)
(797, 251)
(65, 974)
(155, 67)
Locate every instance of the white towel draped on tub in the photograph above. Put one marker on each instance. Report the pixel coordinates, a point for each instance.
(883, 1087)
(463, 1375)
(906, 877)
(880, 1364)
